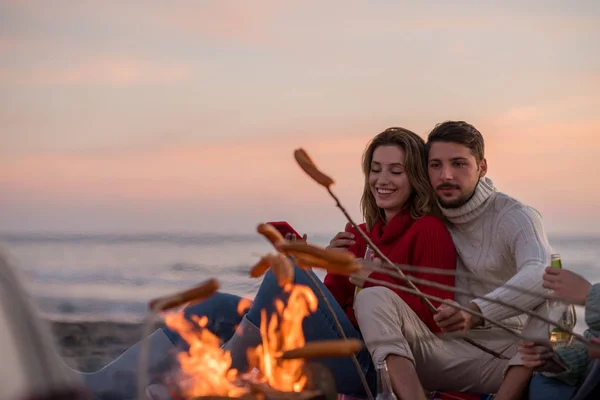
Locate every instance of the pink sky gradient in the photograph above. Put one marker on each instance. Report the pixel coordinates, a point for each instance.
(146, 116)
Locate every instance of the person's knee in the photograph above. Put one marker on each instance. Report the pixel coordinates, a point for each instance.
(218, 303)
(376, 297)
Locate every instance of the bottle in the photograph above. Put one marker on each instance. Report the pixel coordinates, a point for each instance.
(369, 255)
(384, 384)
(561, 313)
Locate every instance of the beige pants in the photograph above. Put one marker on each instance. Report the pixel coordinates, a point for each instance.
(390, 326)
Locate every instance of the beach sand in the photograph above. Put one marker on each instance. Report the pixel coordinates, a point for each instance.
(88, 346)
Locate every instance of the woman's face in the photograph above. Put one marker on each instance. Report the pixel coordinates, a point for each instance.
(388, 180)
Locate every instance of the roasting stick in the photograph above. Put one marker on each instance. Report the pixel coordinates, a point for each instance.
(491, 281)
(472, 294)
(161, 304)
(492, 321)
(311, 169)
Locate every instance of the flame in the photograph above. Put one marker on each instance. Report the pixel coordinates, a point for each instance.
(205, 367)
(283, 331)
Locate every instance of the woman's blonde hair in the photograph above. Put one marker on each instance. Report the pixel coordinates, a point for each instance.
(422, 199)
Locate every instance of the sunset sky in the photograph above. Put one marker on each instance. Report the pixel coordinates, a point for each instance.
(154, 116)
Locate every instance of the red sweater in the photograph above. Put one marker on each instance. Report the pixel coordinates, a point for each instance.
(425, 242)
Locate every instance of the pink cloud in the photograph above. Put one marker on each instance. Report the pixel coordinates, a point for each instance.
(210, 173)
(99, 71)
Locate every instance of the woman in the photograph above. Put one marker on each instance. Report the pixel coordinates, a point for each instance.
(397, 204)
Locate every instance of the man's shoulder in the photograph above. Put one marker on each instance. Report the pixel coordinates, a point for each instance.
(509, 208)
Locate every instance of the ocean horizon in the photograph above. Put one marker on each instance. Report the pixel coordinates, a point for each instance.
(112, 276)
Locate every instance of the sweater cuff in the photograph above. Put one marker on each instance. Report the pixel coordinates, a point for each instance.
(486, 307)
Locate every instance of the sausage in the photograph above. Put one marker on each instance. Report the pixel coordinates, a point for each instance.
(260, 267)
(311, 169)
(272, 234)
(198, 293)
(325, 349)
(282, 268)
(307, 261)
(331, 256)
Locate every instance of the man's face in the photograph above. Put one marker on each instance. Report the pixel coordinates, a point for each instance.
(453, 173)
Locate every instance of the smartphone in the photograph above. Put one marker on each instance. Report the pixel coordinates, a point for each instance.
(284, 228)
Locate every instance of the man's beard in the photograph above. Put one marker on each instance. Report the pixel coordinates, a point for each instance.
(456, 203)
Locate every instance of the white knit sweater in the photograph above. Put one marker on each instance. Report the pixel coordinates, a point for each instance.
(498, 237)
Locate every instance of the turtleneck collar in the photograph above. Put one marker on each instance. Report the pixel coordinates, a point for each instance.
(382, 234)
(481, 199)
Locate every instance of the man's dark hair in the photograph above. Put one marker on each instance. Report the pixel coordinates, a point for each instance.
(458, 132)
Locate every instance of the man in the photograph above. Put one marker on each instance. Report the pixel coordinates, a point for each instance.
(496, 236)
(566, 370)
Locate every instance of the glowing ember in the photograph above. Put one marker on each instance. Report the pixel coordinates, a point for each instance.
(284, 332)
(205, 368)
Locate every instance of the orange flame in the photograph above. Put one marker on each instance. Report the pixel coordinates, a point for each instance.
(284, 332)
(205, 367)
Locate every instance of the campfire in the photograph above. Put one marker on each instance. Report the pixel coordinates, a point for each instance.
(279, 366)
(205, 367)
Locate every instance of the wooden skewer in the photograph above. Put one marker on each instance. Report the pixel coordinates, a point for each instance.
(472, 294)
(490, 281)
(492, 321)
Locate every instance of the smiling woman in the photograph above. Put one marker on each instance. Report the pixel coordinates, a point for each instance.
(395, 177)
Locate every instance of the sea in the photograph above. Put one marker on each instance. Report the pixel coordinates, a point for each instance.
(102, 277)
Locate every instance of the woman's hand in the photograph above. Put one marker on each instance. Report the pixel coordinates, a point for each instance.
(341, 241)
(540, 356)
(567, 285)
(291, 237)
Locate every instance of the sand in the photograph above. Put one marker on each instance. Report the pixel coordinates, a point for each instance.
(88, 346)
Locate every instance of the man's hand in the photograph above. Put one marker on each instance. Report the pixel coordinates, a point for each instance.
(567, 285)
(594, 353)
(540, 356)
(451, 319)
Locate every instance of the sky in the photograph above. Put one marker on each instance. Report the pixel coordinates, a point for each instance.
(147, 116)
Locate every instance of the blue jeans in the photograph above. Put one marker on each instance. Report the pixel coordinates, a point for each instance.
(221, 311)
(544, 388)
